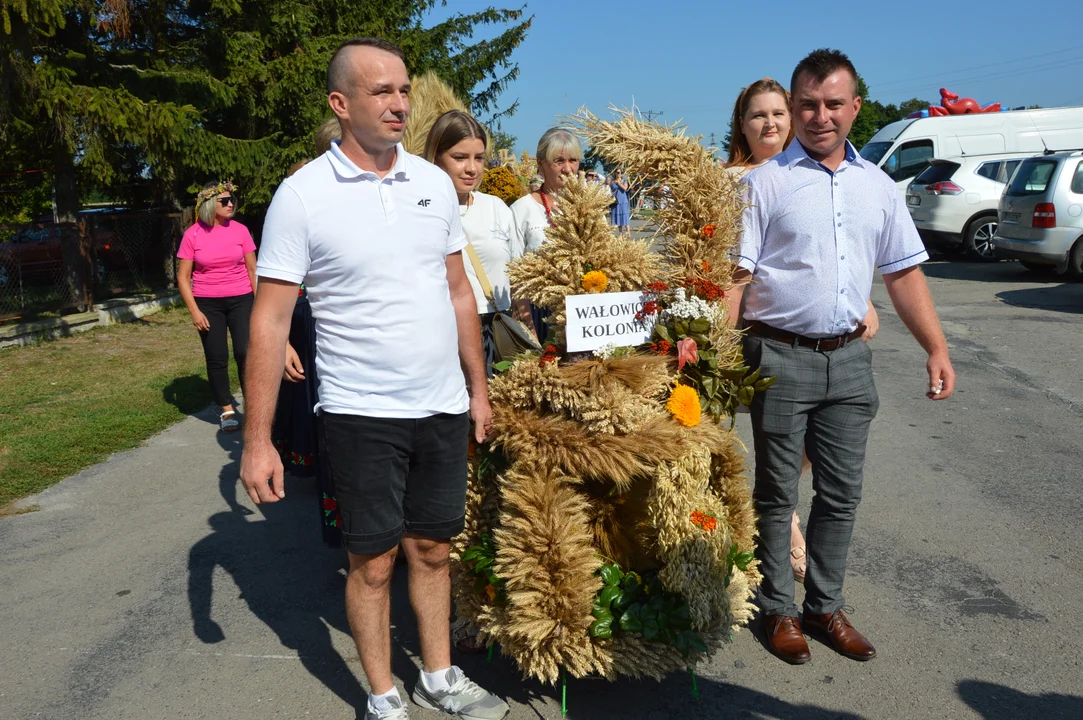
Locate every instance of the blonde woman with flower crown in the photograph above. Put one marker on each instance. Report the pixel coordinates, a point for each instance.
(217, 279)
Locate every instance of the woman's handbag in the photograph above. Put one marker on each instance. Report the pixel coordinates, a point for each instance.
(511, 337)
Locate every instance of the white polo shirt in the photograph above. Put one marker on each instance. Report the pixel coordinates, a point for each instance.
(490, 228)
(372, 253)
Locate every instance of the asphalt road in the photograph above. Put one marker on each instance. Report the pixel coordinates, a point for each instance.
(148, 587)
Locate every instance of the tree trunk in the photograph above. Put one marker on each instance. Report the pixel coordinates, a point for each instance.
(74, 240)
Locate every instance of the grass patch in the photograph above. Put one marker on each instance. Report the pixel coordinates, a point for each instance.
(68, 404)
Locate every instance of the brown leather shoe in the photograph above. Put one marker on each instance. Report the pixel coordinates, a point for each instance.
(844, 638)
(785, 640)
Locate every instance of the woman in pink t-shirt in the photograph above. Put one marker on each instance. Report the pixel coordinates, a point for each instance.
(217, 279)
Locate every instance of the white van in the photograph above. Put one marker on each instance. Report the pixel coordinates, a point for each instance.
(904, 148)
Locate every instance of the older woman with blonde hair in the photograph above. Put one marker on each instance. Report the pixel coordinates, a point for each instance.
(216, 277)
(558, 156)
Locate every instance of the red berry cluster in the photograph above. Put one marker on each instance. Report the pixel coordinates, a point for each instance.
(649, 308)
(662, 347)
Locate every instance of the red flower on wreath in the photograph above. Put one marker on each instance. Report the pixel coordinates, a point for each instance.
(705, 266)
(705, 289)
(330, 504)
(662, 347)
(687, 352)
(550, 354)
(657, 287)
(649, 308)
(708, 230)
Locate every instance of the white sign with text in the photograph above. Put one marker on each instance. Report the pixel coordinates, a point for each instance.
(601, 319)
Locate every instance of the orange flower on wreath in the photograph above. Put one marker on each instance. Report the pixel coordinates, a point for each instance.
(683, 404)
(704, 521)
(708, 230)
(594, 281)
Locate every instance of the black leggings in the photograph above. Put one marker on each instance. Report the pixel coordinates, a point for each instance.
(224, 313)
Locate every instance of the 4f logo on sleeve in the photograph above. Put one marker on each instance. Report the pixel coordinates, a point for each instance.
(424, 202)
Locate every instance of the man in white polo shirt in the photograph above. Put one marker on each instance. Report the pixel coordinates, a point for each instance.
(374, 234)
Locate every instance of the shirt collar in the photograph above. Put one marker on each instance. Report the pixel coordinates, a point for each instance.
(346, 167)
(796, 152)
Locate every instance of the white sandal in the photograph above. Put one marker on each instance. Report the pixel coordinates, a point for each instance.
(227, 421)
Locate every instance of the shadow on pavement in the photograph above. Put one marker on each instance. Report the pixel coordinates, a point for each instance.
(975, 271)
(1066, 298)
(189, 394)
(998, 702)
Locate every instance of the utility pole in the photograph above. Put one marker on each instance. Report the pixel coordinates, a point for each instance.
(712, 140)
(651, 114)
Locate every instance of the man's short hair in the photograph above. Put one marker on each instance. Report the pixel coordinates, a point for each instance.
(338, 70)
(821, 63)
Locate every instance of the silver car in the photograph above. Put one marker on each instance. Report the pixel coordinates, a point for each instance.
(1041, 214)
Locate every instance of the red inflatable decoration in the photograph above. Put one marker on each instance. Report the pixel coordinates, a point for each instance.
(952, 105)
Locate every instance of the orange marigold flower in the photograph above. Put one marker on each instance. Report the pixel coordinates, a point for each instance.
(594, 281)
(662, 347)
(684, 405)
(708, 230)
(705, 266)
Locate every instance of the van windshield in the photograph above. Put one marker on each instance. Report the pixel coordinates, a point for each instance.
(874, 152)
(1032, 177)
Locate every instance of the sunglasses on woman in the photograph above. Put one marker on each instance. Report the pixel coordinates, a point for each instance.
(227, 200)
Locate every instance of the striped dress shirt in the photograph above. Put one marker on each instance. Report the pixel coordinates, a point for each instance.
(812, 239)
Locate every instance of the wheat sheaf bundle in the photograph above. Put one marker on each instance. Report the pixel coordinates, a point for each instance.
(594, 467)
(699, 220)
(430, 97)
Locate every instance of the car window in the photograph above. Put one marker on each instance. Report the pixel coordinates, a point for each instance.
(936, 172)
(909, 160)
(989, 170)
(1032, 178)
(1077, 179)
(874, 151)
(1006, 169)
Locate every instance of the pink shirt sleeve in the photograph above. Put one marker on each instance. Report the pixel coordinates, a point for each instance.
(187, 250)
(247, 245)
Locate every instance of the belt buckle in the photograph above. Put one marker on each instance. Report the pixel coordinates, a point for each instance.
(816, 347)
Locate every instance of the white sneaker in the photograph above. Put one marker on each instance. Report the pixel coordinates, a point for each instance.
(463, 699)
(397, 711)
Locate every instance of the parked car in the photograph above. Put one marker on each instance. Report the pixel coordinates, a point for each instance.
(905, 147)
(954, 201)
(1041, 214)
(33, 254)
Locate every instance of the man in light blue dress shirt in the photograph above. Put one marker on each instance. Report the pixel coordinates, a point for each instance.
(821, 221)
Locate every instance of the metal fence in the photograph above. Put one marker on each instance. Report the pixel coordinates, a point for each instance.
(56, 267)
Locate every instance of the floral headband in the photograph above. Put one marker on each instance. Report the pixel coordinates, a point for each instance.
(213, 192)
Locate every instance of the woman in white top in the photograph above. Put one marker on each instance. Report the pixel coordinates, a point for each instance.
(456, 144)
(559, 153)
(762, 128)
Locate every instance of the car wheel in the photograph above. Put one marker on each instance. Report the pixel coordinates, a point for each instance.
(1075, 260)
(978, 238)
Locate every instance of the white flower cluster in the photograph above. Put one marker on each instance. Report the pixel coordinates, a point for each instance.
(606, 351)
(690, 308)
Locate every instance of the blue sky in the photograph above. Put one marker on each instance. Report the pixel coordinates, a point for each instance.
(690, 58)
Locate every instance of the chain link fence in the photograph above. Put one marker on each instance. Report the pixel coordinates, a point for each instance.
(51, 268)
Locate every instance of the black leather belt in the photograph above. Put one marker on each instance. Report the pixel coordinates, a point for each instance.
(830, 343)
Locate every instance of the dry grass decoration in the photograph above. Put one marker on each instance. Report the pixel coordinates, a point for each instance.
(430, 97)
(606, 534)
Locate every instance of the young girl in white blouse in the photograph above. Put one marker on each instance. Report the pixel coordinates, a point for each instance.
(456, 144)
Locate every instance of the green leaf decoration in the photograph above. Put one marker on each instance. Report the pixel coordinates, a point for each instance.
(611, 574)
(651, 630)
(662, 332)
(602, 628)
(631, 624)
(503, 365)
(742, 560)
(609, 594)
(700, 325)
